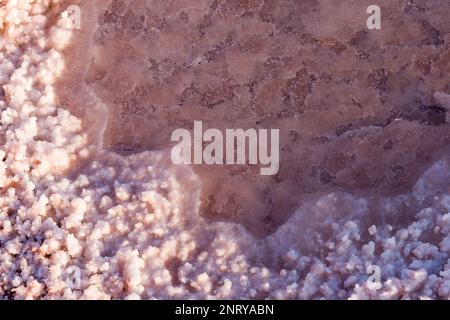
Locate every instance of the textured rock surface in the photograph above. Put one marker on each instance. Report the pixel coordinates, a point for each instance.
(356, 108)
(77, 221)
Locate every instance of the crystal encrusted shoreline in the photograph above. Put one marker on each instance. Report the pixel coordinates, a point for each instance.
(356, 109)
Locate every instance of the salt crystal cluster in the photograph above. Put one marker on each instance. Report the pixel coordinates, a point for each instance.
(77, 222)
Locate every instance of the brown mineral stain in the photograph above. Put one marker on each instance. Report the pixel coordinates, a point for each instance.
(355, 108)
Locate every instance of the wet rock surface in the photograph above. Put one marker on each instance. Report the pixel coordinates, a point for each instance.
(356, 108)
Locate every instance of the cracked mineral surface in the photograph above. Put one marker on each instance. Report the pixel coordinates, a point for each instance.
(92, 207)
(356, 108)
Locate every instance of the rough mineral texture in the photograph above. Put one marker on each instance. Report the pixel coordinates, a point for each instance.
(355, 108)
(91, 206)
